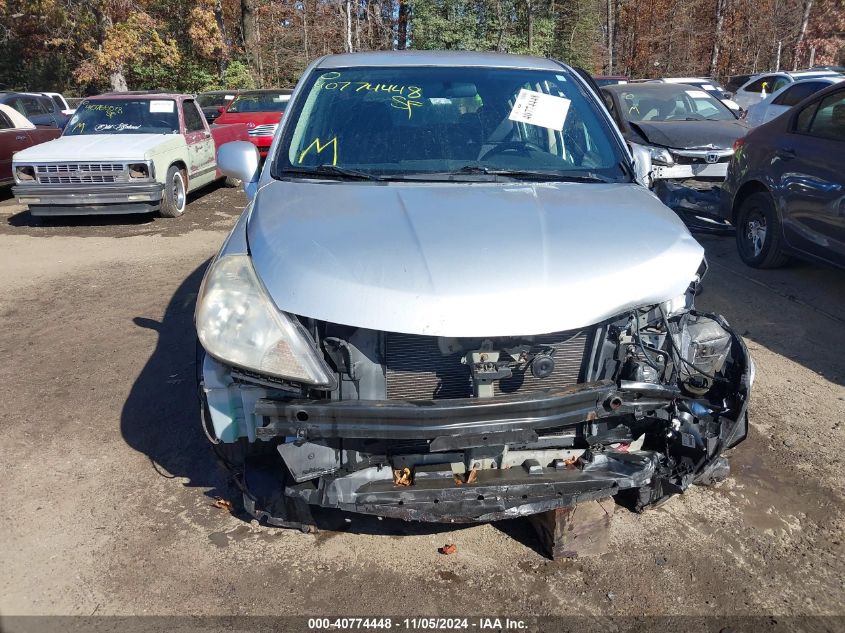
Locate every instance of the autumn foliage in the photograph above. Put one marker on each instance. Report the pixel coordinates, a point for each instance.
(86, 46)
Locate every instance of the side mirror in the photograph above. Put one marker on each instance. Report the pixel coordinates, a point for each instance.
(240, 160)
(642, 164)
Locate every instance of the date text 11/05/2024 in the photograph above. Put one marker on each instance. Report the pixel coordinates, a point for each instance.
(417, 624)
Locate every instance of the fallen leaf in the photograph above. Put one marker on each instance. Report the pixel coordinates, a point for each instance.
(472, 477)
(447, 549)
(402, 477)
(223, 504)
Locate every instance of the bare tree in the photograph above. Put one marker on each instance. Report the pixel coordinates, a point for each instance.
(248, 31)
(721, 7)
(808, 5)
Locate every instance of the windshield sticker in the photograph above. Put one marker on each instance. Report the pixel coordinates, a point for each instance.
(698, 94)
(320, 147)
(107, 109)
(116, 127)
(708, 87)
(538, 108)
(161, 106)
(229, 97)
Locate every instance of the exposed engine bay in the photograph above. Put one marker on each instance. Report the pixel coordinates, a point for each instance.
(478, 429)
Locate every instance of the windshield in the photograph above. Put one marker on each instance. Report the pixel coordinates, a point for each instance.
(214, 100)
(404, 122)
(684, 104)
(259, 102)
(124, 116)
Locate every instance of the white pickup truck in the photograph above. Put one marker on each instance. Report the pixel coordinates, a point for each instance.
(123, 153)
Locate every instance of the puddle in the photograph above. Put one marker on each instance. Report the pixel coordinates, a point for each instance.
(449, 576)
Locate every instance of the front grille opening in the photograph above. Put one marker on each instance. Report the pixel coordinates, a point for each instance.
(417, 370)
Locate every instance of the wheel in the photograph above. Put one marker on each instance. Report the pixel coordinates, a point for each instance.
(759, 233)
(175, 193)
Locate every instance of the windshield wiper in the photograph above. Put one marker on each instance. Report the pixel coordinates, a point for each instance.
(332, 170)
(532, 174)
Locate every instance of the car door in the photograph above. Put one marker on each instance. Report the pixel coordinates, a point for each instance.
(200, 145)
(32, 108)
(755, 91)
(11, 140)
(813, 178)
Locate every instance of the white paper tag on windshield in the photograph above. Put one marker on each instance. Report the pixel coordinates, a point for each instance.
(229, 97)
(708, 87)
(697, 94)
(537, 108)
(161, 106)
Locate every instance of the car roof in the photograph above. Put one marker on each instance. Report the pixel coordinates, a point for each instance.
(264, 91)
(140, 94)
(389, 59)
(684, 80)
(655, 88)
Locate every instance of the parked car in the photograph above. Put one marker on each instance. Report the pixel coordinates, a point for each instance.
(760, 86)
(214, 102)
(690, 136)
(261, 110)
(610, 80)
(451, 299)
(123, 153)
(784, 187)
(706, 84)
(61, 103)
(735, 82)
(781, 101)
(40, 110)
(17, 133)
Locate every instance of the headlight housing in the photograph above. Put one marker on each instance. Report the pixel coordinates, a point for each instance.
(661, 156)
(238, 324)
(138, 171)
(24, 173)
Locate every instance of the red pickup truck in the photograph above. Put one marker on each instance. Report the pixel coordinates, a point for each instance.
(124, 153)
(18, 133)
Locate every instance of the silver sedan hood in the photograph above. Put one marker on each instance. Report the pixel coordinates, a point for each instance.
(467, 260)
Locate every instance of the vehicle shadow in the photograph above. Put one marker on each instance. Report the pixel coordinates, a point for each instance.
(797, 311)
(160, 417)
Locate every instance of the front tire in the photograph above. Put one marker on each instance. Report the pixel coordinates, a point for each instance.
(759, 232)
(175, 193)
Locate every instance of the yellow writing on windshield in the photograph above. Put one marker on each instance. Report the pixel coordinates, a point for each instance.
(79, 127)
(108, 110)
(403, 103)
(320, 147)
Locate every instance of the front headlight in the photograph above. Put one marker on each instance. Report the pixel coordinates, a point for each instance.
(238, 324)
(661, 156)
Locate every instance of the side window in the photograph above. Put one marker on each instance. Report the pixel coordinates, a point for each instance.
(57, 100)
(796, 93)
(757, 86)
(779, 83)
(46, 103)
(17, 104)
(829, 121)
(193, 120)
(805, 117)
(5, 123)
(32, 106)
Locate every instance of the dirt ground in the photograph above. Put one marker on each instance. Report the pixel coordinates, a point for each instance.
(107, 482)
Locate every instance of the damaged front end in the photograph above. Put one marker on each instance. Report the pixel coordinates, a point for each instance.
(475, 429)
(688, 181)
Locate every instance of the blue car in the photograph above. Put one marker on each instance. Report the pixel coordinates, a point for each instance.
(785, 186)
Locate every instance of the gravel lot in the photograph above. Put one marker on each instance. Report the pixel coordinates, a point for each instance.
(108, 483)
